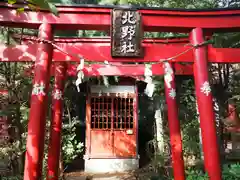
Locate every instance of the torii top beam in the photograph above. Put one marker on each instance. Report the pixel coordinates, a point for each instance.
(98, 50)
(91, 17)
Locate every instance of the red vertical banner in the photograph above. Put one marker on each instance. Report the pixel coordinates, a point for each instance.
(38, 110)
(54, 148)
(173, 123)
(205, 107)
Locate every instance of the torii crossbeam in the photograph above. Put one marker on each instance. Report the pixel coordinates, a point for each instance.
(102, 48)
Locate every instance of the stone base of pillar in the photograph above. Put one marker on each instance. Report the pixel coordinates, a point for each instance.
(98, 165)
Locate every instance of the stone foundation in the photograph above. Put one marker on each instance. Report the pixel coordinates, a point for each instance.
(110, 165)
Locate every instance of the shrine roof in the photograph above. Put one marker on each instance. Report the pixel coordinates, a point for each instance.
(146, 8)
(133, 7)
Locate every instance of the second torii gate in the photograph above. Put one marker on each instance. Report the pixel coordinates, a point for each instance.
(196, 23)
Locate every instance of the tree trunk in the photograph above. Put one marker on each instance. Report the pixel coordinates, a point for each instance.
(61, 167)
(200, 133)
(159, 125)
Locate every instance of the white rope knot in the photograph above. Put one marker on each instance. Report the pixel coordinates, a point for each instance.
(168, 74)
(81, 65)
(148, 70)
(106, 63)
(148, 79)
(80, 74)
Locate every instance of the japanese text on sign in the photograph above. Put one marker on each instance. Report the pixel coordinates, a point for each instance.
(126, 37)
(128, 32)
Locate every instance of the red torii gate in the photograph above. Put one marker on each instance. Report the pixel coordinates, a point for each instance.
(117, 68)
(196, 23)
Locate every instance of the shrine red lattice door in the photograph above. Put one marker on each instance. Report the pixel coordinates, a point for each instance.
(112, 130)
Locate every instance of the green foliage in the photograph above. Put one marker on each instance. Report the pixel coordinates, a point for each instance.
(19, 86)
(188, 118)
(191, 139)
(12, 178)
(231, 172)
(164, 3)
(71, 145)
(36, 4)
(196, 175)
(12, 1)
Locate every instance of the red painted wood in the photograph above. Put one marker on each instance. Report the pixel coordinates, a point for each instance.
(54, 147)
(153, 53)
(234, 129)
(223, 55)
(136, 122)
(124, 145)
(174, 130)
(88, 127)
(21, 53)
(205, 107)
(233, 114)
(233, 118)
(3, 92)
(108, 40)
(178, 40)
(132, 70)
(121, 70)
(37, 116)
(99, 18)
(101, 143)
(112, 139)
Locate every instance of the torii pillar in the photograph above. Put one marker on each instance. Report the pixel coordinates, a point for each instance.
(173, 123)
(205, 107)
(38, 110)
(54, 148)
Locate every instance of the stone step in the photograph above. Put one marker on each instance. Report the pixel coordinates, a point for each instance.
(127, 176)
(83, 176)
(100, 178)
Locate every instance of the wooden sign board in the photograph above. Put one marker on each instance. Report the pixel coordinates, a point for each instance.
(126, 33)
